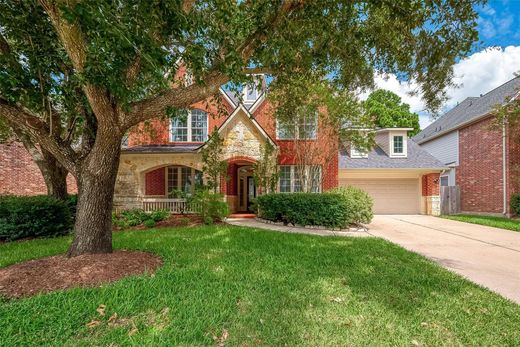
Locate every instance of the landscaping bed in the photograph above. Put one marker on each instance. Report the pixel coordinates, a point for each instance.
(59, 272)
(237, 286)
(173, 221)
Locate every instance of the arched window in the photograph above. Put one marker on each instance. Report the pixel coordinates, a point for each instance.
(193, 128)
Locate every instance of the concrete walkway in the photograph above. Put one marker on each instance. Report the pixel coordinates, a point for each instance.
(251, 222)
(485, 255)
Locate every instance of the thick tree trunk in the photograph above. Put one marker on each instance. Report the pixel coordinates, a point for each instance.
(55, 177)
(96, 182)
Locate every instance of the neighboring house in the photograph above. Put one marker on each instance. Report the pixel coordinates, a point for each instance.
(402, 178)
(19, 174)
(483, 157)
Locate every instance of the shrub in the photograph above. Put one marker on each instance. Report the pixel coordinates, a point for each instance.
(134, 217)
(515, 204)
(149, 223)
(359, 203)
(330, 210)
(33, 216)
(211, 206)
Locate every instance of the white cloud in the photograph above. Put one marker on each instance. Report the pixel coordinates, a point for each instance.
(475, 75)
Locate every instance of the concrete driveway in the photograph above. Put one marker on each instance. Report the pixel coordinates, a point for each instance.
(487, 256)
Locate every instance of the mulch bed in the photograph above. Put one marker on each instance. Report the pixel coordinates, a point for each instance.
(59, 272)
(173, 221)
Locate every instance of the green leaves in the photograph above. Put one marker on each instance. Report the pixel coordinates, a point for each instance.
(388, 111)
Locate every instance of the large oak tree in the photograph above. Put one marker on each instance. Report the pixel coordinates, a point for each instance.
(75, 75)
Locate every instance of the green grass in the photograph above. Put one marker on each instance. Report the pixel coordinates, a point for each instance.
(497, 222)
(265, 288)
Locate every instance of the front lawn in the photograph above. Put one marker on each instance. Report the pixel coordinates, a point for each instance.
(491, 221)
(225, 285)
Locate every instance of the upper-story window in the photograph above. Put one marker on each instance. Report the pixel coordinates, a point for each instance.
(304, 128)
(188, 78)
(252, 91)
(193, 128)
(398, 145)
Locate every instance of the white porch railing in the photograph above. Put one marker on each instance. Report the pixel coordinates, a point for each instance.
(172, 205)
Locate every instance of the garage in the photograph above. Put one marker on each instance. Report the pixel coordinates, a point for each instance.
(391, 196)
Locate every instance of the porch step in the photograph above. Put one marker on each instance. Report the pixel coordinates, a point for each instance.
(242, 215)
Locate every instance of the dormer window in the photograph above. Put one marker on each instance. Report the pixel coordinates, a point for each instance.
(193, 128)
(188, 78)
(398, 146)
(252, 91)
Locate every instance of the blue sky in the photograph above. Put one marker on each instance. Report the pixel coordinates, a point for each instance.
(494, 61)
(499, 23)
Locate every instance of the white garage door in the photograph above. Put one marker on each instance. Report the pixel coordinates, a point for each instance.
(391, 196)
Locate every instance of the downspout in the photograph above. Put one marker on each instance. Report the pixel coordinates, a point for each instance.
(504, 168)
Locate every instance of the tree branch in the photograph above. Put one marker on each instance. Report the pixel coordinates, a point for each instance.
(185, 96)
(74, 43)
(187, 5)
(179, 97)
(38, 131)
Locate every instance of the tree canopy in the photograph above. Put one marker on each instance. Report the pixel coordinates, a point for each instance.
(387, 110)
(75, 75)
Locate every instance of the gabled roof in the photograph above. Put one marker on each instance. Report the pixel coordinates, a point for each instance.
(469, 110)
(417, 158)
(234, 99)
(251, 118)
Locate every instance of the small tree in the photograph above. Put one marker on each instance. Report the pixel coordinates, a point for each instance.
(388, 111)
(265, 170)
(214, 167)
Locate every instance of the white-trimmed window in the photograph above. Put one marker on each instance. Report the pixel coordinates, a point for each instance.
(291, 179)
(252, 91)
(182, 179)
(445, 181)
(304, 128)
(188, 78)
(356, 153)
(398, 146)
(193, 128)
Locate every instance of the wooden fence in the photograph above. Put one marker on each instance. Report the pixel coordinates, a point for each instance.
(450, 200)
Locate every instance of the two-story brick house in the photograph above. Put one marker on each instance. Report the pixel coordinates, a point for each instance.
(483, 157)
(400, 176)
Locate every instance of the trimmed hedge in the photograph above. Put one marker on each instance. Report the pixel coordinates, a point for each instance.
(515, 204)
(359, 203)
(326, 209)
(33, 216)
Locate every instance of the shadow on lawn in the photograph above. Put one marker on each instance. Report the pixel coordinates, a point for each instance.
(268, 281)
(268, 288)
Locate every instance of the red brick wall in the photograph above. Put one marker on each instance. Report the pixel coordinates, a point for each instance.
(430, 184)
(325, 144)
(155, 182)
(19, 175)
(479, 173)
(157, 132)
(513, 145)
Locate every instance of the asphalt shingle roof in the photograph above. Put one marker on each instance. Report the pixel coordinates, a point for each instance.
(470, 109)
(417, 158)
